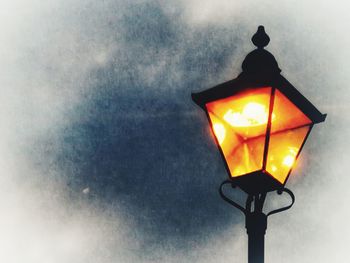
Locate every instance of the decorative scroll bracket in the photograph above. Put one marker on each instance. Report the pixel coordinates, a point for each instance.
(258, 200)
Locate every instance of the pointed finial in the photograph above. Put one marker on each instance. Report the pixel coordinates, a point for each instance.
(260, 39)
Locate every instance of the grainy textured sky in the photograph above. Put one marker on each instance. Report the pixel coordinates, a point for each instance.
(105, 158)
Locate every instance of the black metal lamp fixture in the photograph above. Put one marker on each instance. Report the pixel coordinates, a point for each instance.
(260, 123)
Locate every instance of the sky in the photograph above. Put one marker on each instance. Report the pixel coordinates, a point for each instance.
(105, 158)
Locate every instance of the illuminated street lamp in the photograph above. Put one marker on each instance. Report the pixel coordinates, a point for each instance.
(260, 123)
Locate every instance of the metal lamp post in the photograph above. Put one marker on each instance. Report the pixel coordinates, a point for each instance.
(260, 123)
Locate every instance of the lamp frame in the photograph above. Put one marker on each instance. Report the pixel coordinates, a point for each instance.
(260, 181)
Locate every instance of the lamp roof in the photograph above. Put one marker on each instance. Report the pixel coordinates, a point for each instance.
(260, 69)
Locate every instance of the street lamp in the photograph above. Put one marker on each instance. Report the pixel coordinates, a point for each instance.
(260, 123)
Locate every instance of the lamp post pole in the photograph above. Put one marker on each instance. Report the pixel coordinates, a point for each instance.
(255, 219)
(256, 224)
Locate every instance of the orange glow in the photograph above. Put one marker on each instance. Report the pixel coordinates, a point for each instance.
(220, 132)
(288, 133)
(239, 124)
(286, 115)
(253, 114)
(283, 149)
(289, 159)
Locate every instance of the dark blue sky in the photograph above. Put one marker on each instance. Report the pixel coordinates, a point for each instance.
(143, 143)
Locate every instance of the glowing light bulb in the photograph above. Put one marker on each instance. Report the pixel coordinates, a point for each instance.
(253, 114)
(220, 132)
(289, 159)
(274, 168)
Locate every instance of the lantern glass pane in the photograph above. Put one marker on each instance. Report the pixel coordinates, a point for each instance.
(289, 128)
(239, 124)
(286, 115)
(283, 150)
